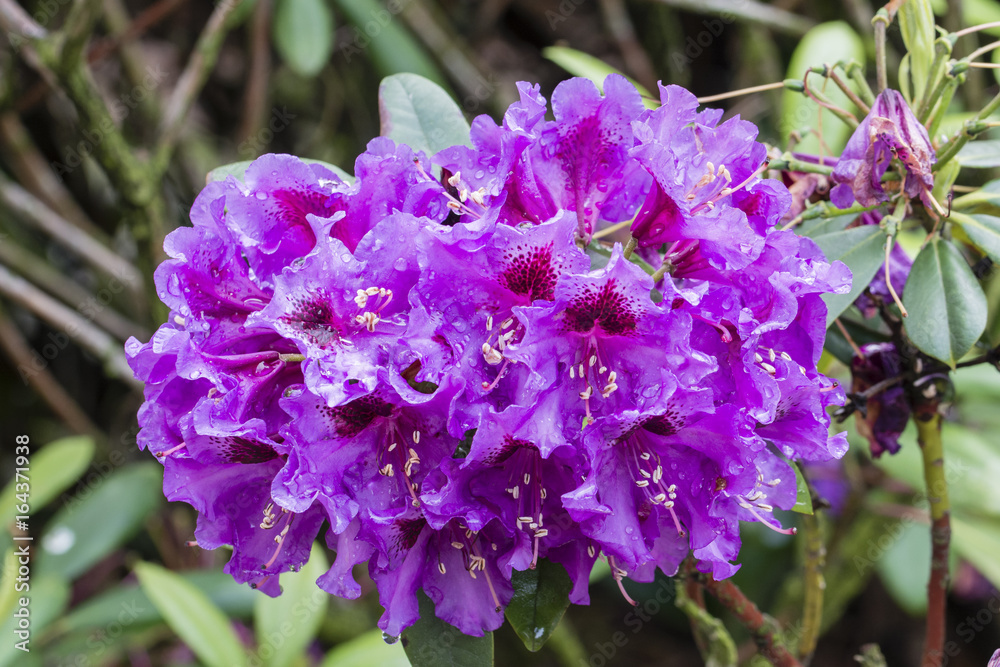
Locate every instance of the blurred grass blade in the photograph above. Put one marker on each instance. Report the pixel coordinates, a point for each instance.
(583, 64)
(49, 596)
(54, 468)
(303, 34)
(365, 650)
(417, 112)
(189, 613)
(289, 622)
(98, 520)
(393, 48)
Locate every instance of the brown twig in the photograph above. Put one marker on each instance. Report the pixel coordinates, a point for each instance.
(763, 628)
(255, 97)
(195, 74)
(928, 421)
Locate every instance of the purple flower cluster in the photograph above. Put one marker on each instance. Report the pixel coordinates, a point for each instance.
(433, 365)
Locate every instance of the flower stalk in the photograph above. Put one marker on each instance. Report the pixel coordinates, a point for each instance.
(928, 422)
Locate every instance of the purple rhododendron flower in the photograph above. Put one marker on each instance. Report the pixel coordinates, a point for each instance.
(889, 131)
(454, 379)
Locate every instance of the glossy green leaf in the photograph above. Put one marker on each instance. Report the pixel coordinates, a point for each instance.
(96, 520)
(379, 34)
(824, 226)
(541, 597)
(303, 34)
(48, 597)
(430, 642)
(982, 230)
(366, 650)
(862, 250)
(417, 112)
(978, 541)
(984, 200)
(583, 64)
(947, 307)
(825, 43)
(238, 170)
(916, 23)
(289, 622)
(980, 154)
(190, 614)
(130, 606)
(803, 499)
(905, 566)
(52, 469)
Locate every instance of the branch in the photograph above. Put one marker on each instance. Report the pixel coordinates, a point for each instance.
(77, 29)
(812, 603)
(42, 381)
(206, 51)
(928, 422)
(763, 628)
(16, 20)
(750, 11)
(69, 291)
(26, 206)
(85, 334)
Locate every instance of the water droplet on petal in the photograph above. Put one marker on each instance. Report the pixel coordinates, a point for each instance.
(261, 196)
(389, 639)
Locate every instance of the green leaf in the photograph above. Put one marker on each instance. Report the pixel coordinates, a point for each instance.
(583, 64)
(823, 226)
(803, 499)
(366, 650)
(53, 468)
(377, 34)
(303, 34)
(600, 255)
(947, 307)
(430, 642)
(417, 112)
(980, 154)
(238, 170)
(49, 596)
(130, 606)
(541, 597)
(862, 250)
(916, 23)
(189, 613)
(825, 43)
(96, 521)
(982, 230)
(905, 567)
(289, 622)
(984, 200)
(978, 541)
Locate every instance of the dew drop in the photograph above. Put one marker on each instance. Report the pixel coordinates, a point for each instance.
(261, 196)
(400, 264)
(389, 639)
(480, 173)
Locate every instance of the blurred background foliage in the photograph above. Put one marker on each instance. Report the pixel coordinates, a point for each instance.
(113, 581)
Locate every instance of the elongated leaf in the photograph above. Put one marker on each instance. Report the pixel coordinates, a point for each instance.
(946, 305)
(238, 170)
(366, 650)
(129, 605)
(48, 598)
(978, 541)
(583, 64)
(417, 112)
(984, 200)
(980, 154)
(289, 622)
(541, 597)
(90, 526)
(381, 35)
(189, 613)
(303, 34)
(803, 499)
(826, 43)
(430, 642)
(905, 567)
(52, 469)
(982, 230)
(916, 23)
(861, 249)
